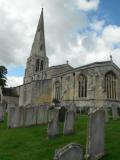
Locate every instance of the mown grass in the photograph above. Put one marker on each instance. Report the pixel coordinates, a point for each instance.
(32, 143)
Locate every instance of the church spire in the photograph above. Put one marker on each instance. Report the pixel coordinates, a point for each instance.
(38, 47)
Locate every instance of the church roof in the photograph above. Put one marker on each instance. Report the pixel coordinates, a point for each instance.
(91, 65)
(9, 92)
(61, 66)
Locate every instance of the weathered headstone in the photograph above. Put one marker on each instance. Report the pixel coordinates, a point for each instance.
(62, 112)
(53, 125)
(34, 115)
(50, 114)
(69, 123)
(95, 137)
(45, 115)
(115, 114)
(21, 116)
(40, 115)
(69, 152)
(29, 111)
(106, 114)
(1, 112)
(13, 117)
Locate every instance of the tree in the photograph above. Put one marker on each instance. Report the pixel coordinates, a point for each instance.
(3, 79)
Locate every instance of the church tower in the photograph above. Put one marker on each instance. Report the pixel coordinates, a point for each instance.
(37, 63)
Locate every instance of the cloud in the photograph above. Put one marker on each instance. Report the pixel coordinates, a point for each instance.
(71, 33)
(97, 25)
(13, 81)
(88, 5)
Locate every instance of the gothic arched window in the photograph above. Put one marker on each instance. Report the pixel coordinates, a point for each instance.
(110, 85)
(41, 65)
(57, 91)
(37, 65)
(82, 86)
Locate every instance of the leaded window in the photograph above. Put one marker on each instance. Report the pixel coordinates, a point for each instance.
(110, 85)
(82, 86)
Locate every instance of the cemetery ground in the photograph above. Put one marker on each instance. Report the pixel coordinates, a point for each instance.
(32, 143)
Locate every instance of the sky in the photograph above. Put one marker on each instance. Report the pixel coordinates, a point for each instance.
(80, 31)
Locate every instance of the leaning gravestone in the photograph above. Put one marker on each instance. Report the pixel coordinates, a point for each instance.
(69, 152)
(115, 113)
(53, 125)
(69, 123)
(95, 140)
(1, 112)
(13, 117)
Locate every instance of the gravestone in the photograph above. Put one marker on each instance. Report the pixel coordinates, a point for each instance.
(62, 112)
(106, 114)
(115, 114)
(34, 115)
(95, 137)
(53, 125)
(45, 114)
(13, 117)
(21, 116)
(69, 123)
(1, 112)
(29, 111)
(40, 115)
(50, 114)
(69, 152)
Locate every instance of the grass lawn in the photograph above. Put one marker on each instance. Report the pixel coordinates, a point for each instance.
(32, 143)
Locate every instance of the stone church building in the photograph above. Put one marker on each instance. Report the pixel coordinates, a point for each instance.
(92, 85)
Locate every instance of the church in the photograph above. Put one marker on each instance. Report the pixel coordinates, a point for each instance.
(93, 85)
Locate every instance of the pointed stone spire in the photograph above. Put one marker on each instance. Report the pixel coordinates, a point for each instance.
(38, 47)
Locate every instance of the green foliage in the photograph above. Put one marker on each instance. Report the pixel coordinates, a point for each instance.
(3, 79)
(32, 143)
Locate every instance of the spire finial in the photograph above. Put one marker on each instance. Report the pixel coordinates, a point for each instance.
(111, 58)
(67, 62)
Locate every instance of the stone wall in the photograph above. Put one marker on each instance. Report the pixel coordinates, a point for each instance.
(96, 93)
(37, 92)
